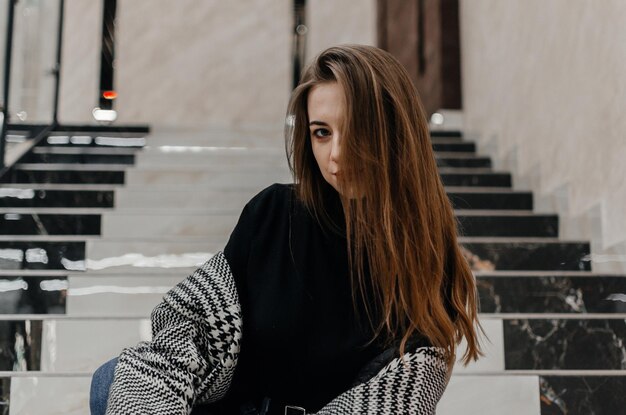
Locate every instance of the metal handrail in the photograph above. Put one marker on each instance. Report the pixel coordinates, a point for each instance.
(7, 77)
(38, 132)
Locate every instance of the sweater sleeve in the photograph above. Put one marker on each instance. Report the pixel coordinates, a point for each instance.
(412, 385)
(193, 352)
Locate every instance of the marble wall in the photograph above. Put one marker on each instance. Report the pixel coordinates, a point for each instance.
(197, 63)
(544, 93)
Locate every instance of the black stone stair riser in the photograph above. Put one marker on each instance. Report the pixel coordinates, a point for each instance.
(552, 294)
(474, 162)
(62, 198)
(446, 133)
(5, 393)
(10, 331)
(509, 226)
(509, 201)
(464, 147)
(65, 177)
(45, 224)
(564, 344)
(531, 256)
(568, 395)
(78, 158)
(31, 298)
(92, 144)
(42, 255)
(477, 180)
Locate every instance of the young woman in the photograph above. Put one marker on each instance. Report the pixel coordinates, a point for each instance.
(344, 293)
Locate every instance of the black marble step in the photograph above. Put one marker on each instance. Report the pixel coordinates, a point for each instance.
(565, 344)
(26, 332)
(464, 147)
(532, 255)
(36, 198)
(477, 179)
(446, 133)
(492, 200)
(59, 255)
(5, 395)
(49, 224)
(93, 140)
(503, 225)
(33, 295)
(78, 158)
(572, 395)
(61, 176)
(552, 294)
(467, 162)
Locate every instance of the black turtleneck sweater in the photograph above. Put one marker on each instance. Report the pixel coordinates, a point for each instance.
(302, 342)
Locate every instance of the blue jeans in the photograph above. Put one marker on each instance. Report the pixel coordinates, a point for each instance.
(100, 386)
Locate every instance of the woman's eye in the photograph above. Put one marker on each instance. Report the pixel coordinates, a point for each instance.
(321, 132)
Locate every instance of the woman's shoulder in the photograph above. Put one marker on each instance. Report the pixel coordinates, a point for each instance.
(274, 198)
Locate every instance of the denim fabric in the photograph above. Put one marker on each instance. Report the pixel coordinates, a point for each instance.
(100, 386)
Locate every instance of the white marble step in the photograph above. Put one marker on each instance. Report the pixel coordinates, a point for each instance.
(174, 224)
(232, 199)
(210, 156)
(83, 345)
(96, 295)
(59, 395)
(491, 395)
(204, 179)
(156, 255)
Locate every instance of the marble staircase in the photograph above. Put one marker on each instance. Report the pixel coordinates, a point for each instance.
(94, 229)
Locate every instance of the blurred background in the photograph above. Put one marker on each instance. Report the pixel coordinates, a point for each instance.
(141, 127)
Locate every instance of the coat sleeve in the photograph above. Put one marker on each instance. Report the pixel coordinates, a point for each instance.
(412, 385)
(194, 350)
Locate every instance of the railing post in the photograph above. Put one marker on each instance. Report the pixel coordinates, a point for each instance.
(57, 65)
(7, 77)
(299, 39)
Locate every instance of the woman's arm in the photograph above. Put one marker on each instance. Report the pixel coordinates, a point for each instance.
(194, 350)
(412, 385)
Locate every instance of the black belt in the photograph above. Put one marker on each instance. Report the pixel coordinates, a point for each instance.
(269, 407)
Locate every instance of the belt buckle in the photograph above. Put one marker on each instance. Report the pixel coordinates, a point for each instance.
(294, 410)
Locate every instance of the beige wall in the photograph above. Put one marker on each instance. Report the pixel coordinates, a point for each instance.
(198, 63)
(544, 89)
(333, 22)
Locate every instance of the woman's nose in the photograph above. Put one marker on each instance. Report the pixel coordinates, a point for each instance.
(335, 150)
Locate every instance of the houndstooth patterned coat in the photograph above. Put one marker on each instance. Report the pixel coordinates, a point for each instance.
(191, 359)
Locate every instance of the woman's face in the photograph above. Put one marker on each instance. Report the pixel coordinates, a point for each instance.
(326, 109)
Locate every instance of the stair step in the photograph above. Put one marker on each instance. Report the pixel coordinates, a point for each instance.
(549, 293)
(54, 158)
(46, 224)
(60, 344)
(113, 151)
(565, 344)
(88, 139)
(522, 225)
(39, 394)
(477, 179)
(40, 198)
(33, 254)
(491, 200)
(63, 176)
(33, 294)
(489, 254)
(465, 147)
(466, 162)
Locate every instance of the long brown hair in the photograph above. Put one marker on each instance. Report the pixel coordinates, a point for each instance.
(403, 227)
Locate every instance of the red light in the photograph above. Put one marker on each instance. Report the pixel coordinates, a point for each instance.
(109, 94)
